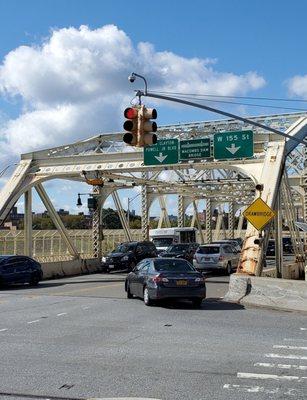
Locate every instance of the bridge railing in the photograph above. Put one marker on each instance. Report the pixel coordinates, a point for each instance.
(48, 245)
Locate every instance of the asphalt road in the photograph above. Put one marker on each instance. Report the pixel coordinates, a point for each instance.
(81, 338)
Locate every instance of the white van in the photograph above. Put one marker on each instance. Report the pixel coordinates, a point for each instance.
(164, 237)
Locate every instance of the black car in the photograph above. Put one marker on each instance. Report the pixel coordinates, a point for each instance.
(182, 250)
(164, 278)
(19, 269)
(287, 246)
(127, 255)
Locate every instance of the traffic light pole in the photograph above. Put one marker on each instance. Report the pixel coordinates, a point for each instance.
(225, 113)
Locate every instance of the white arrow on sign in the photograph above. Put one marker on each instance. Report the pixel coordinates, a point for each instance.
(161, 157)
(233, 149)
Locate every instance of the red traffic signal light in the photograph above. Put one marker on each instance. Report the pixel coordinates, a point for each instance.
(131, 125)
(139, 126)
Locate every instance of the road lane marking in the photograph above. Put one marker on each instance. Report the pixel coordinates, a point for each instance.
(294, 340)
(260, 389)
(88, 289)
(63, 313)
(280, 346)
(282, 366)
(3, 330)
(290, 356)
(251, 375)
(303, 329)
(251, 389)
(32, 322)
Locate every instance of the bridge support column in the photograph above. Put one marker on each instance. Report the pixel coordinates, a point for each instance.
(278, 238)
(208, 221)
(144, 209)
(56, 220)
(201, 235)
(180, 211)
(28, 223)
(96, 226)
(231, 220)
(164, 214)
(122, 216)
(240, 224)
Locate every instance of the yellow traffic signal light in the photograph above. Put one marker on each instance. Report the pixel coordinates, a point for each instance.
(139, 126)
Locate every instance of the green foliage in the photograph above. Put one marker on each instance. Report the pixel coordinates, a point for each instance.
(110, 219)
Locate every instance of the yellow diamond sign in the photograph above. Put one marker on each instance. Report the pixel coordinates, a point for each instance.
(259, 214)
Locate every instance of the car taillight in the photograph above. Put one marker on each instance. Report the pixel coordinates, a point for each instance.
(159, 278)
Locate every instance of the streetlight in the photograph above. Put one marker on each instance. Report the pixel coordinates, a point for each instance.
(91, 202)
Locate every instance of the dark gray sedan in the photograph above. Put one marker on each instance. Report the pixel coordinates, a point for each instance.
(163, 278)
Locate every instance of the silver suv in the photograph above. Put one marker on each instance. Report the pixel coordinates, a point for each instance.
(219, 257)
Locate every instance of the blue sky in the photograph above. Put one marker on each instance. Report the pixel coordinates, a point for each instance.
(264, 38)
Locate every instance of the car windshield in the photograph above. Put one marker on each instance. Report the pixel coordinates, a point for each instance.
(163, 242)
(124, 248)
(177, 248)
(209, 250)
(172, 265)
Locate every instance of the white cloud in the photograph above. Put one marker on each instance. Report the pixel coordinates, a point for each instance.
(297, 86)
(75, 84)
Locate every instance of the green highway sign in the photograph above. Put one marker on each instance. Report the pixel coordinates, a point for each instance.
(165, 151)
(195, 148)
(229, 145)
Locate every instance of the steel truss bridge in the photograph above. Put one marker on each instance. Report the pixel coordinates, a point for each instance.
(278, 164)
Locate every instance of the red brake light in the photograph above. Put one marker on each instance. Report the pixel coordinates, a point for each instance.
(158, 279)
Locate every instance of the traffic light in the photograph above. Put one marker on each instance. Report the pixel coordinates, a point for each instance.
(131, 125)
(148, 126)
(139, 126)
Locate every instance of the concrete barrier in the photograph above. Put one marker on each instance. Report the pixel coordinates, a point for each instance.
(289, 271)
(69, 268)
(276, 293)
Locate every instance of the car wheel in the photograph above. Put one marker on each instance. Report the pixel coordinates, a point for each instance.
(197, 303)
(147, 299)
(34, 280)
(129, 294)
(228, 269)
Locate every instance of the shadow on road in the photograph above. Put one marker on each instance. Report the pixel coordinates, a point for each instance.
(208, 304)
(50, 284)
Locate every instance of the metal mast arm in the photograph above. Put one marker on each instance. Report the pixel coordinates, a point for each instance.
(225, 113)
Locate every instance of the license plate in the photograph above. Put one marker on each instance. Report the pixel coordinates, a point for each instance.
(206, 259)
(111, 266)
(182, 282)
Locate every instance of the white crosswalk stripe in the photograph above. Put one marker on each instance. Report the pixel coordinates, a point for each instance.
(281, 346)
(281, 366)
(251, 375)
(284, 373)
